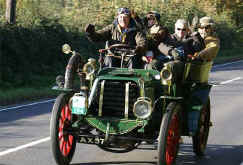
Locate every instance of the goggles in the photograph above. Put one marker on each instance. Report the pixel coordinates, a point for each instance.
(125, 11)
(205, 27)
(153, 15)
(179, 29)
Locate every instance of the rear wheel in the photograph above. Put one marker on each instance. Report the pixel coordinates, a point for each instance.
(200, 139)
(169, 135)
(63, 143)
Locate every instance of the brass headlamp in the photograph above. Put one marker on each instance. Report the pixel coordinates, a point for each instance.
(89, 68)
(166, 75)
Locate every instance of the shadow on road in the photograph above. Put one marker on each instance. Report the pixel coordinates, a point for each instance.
(119, 162)
(7, 117)
(233, 66)
(215, 154)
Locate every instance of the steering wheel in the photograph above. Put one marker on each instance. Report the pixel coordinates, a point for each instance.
(122, 49)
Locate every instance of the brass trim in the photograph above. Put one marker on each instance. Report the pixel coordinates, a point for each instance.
(186, 71)
(107, 132)
(101, 97)
(127, 100)
(142, 91)
(139, 123)
(171, 97)
(146, 100)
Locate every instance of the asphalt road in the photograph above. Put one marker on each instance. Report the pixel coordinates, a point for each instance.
(24, 131)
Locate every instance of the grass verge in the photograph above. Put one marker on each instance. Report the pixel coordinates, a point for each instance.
(229, 55)
(24, 94)
(20, 95)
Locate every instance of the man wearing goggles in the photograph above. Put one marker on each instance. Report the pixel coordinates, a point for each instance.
(156, 34)
(122, 30)
(152, 18)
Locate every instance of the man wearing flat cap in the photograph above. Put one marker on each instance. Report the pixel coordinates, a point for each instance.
(212, 43)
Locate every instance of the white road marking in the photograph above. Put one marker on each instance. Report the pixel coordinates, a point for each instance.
(229, 81)
(26, 105)
(24, 146)
(225, 64)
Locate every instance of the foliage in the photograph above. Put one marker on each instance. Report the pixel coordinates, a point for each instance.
(31, 48)
(12, 96)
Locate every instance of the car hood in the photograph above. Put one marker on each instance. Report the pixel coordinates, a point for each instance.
(128, 74)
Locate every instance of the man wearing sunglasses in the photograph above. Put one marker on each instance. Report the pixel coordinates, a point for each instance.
(178, 45)
(212, 43)
(122, 30)
(181, 39)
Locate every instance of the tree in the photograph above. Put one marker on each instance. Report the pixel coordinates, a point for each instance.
(11, 11)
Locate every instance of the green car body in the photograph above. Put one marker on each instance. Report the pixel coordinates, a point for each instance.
(118, 108)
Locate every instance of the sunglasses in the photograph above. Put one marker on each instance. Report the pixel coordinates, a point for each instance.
(205, 27)
(179, 29)
(151, 17)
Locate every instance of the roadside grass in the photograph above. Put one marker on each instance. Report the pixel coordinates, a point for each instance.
(39, 88)
(229, 55)
(25, 94)
(33, 92)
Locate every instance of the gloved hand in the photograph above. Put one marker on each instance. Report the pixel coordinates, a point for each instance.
(175, 54)
(178, 53)
(89, 28)
(196, 58)
(139, 50)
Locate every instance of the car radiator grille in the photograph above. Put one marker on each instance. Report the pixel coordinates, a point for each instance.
(114, 95)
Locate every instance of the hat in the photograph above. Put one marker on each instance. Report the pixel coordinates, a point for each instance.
(155, 14)
(124, 10)
(206, 21)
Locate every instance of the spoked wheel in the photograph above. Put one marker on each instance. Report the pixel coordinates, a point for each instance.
(63, 143)
(169, 135)
(200, 139)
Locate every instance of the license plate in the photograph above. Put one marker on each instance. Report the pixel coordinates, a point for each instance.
(79, 105)
(91, 140)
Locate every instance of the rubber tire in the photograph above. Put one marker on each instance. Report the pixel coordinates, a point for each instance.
(114, 150)
(196, 139)
(172, 108)
(60, 159)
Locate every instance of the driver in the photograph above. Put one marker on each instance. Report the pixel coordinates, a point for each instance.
(122, 30)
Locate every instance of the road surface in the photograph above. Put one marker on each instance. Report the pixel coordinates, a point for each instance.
(24, 131)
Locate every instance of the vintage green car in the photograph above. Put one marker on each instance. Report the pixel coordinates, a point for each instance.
(119, 108)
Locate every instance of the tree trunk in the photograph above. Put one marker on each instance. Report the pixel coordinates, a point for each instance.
(11, 11)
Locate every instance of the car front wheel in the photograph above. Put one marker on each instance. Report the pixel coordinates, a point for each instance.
(169, 136)
(63, 143)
